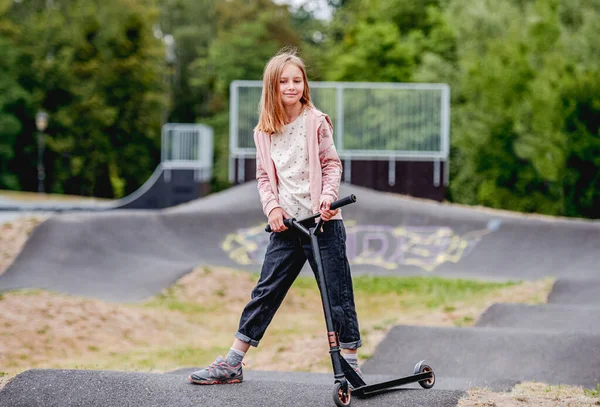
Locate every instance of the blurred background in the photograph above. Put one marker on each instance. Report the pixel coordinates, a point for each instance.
(86, 88)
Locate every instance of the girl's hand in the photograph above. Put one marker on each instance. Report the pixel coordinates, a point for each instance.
(326, 213)
(276, 217)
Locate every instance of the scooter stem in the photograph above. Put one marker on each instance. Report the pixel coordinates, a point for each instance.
(334, 345)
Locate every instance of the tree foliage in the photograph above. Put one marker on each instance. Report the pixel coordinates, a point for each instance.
(98, 72)
(516, 82)
(524, 78)
(248, 33)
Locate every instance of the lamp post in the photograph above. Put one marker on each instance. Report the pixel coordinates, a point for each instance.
(171, 60)
(41, 122)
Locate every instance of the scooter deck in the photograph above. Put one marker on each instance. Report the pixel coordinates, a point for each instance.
(373, 388)
(360, 388)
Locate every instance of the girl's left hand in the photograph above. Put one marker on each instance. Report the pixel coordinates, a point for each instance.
(326, 213)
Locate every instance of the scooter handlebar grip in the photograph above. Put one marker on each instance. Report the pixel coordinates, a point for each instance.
(286, 222)
(343, 202)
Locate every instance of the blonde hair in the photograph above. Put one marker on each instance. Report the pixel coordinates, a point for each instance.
(272, 117)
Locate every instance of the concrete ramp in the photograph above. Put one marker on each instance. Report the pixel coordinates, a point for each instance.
(547, 317)
(492, 354)
(166, 187)
(75, 388)
(130, 255)
(127, 255)
(86, 255)
(576, 292)
(447, 383)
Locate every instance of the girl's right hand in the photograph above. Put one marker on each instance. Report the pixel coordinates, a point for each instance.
(276, 217)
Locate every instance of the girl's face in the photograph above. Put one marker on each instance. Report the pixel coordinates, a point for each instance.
(291, 85)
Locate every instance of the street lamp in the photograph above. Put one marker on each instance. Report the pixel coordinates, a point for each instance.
(41, 122)
(170, 55)
(171, 60)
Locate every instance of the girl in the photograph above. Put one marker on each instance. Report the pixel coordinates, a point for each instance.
(298, 173)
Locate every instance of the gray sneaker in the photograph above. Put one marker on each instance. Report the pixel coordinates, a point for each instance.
(219, 372)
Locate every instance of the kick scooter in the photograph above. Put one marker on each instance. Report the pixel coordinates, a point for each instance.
(347, 381)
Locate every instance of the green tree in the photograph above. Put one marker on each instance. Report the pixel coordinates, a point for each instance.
(11, 95)
(248, 33)
(516, 71)
(98, 70)
(380, 41)
(192, 24)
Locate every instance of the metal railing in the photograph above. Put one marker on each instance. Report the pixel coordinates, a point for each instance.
(188, 146)
(372, 121)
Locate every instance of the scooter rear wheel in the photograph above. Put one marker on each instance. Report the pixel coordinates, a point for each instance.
(340, 398)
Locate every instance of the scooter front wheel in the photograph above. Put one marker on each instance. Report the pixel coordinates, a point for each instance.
(341, 398)
(422, 368)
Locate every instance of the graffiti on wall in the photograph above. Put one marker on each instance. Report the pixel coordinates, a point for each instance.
(388, 247)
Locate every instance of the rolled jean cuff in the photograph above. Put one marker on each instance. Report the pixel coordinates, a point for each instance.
(350, 345)
(245, 339)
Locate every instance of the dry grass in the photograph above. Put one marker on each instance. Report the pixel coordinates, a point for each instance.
(531, 394)
(42, 329)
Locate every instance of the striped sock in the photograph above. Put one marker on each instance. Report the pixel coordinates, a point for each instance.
(352, 359)
(234, 357)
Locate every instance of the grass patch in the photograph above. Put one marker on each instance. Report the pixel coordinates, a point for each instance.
(432, 292)
(593, 393)
(532, 394)
(414, 293)
(466, 320)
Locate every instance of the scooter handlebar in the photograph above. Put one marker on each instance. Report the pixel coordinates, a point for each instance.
(286, 222)
(334, 205)
(343, 202)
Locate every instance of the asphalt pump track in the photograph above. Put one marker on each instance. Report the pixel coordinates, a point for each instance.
(131, 255)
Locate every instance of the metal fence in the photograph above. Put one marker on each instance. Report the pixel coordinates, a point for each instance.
(372, 121)
(188, 146)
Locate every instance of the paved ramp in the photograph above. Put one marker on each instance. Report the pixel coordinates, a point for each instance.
(447, 383)
(127, 255)
(75, 388)
(547, 317)
(555, 343)
(130, 255)
(576, 292)
(168, 185)
(492, 354)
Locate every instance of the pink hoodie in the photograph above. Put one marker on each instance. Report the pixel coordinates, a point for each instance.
(324, 165)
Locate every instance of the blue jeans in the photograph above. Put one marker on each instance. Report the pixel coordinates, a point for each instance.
(286, 255)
